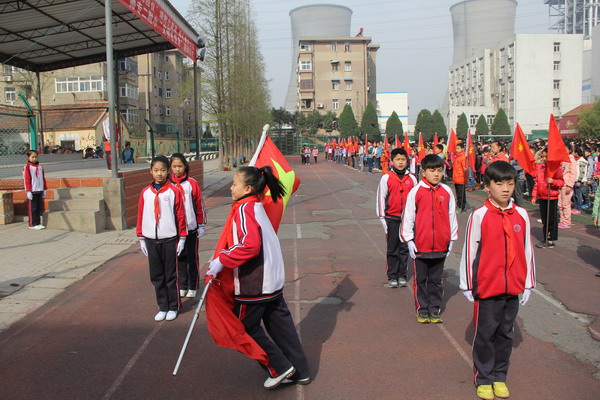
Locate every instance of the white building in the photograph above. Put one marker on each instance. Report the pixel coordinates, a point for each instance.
(530, 76)
(387, 103)
(595, 64)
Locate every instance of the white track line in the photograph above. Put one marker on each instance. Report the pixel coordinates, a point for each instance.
(131, 363)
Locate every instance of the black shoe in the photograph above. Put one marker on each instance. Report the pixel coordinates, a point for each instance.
(541, 245)
(304, 381)
(393, 283)
(550, 244)
(402, 282)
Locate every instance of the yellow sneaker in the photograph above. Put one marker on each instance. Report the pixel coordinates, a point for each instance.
(435, 318)
(500, 390)
(423, 317)
(485, 392)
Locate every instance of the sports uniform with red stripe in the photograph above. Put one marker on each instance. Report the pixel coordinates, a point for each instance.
(34, 181)
(259, 276)
(429, 220)
(497, 265)
(161, 222)
(392, 192)
(195, 216)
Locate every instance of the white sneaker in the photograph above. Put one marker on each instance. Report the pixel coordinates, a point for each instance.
(192, 293)
(160, 316)
(182, 293)
(272, 383)
(171, 315)
(42, 226)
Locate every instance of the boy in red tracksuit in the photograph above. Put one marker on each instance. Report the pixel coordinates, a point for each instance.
(497, 265)
(35, 186)
(548, 202)
(429, 228)
(460, 176)
(392, 192)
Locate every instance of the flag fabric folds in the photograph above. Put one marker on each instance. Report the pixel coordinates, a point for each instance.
(224, 326)
(406, 143)
(470, 151)
(422, 153)
(520, 151)
(557, 152)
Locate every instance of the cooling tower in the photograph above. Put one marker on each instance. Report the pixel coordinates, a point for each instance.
(316, 20)
(481, 24)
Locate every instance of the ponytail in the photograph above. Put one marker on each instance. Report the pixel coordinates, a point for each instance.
(259, 178)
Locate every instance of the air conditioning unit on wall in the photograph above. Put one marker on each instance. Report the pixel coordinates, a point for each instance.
(7, 78)
(320, 105)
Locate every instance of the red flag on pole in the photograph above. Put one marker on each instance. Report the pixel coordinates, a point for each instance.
(398, 143)
(452, 142)
(436, 141)
(406, 143)
(470, 151)
(520, 151)
(225, 328)
(557, 152)
(422, 153)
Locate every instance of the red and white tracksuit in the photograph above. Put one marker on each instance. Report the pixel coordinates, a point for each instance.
(34, 181)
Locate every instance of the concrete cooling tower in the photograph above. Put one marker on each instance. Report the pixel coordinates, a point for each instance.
(312, 21)
(481, 24)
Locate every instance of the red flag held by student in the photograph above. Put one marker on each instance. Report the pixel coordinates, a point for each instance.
(451, 142)
(520, 151)
(470, 151)
(406, 143)
(225, 328)
(422, 153)
(557, 152)
(398, 144)
(436, 141)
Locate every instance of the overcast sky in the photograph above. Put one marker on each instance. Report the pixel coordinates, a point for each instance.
(415, 38)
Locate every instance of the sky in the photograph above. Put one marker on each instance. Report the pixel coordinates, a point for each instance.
(415, 36)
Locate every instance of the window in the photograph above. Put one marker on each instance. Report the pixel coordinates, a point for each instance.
(335, 66)
(556, 47)
(131, 116)
(159, 74)
(129, 91)
(556, 103)
(334, 46)
(348, 85)
(557, 65)
(127, 64)
(166, 58)
(155, 91)
(335, 104)
(154, 71)
(473, 120)
(347, 47)
(556, 84)
(168, 93)
(189, 117)
(160, 92)
(304, 46)
(156, 109)
(80, 84)
(168, 111)
(349, 102)
(306, 65)
(335, 85)
(306, 84)
(348, 66)
(167, 75)
(10, 94)
(490, 119)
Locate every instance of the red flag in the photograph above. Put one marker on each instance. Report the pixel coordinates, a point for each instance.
(452, 142)
(398, 144)
(224, 326)
(435, 141)
(422, 153)
(520, 151)
(406, 143)
(557, 152)
(470, 151)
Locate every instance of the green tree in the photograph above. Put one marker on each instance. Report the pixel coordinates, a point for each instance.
(424, 125)
(314, 121)
(438, 124)
(589, 122)
(482, 127)
(328, 120)
(393, 126)
(299, 122)
(369, 124)
(280, 117)
(462, 126)
(500, 125)
(347, 124)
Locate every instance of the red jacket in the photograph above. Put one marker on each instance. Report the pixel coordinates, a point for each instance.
(484, 265)
(540, 189)
(422, 222)
(392, 193)
(34, 178)
(460, 169)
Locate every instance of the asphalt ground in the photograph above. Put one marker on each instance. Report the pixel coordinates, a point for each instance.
(98, 340)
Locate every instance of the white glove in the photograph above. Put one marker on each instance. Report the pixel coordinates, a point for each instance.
(384, 224)
(200, 232)
(412, 249)
(180, 245)
(449, 248)
(525, 296)
(29, 195)
(215, 267)
(144, 247)
(469, 295)
(44, 195)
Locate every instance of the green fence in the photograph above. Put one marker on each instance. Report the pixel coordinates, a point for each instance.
(15, 141)
(291, 143)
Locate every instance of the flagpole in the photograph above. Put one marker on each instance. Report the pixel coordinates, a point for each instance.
(263, 137)
(189, 334)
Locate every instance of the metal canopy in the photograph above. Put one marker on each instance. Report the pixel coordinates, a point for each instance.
(44, 35)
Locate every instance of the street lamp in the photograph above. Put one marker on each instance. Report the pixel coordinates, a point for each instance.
(199, 57)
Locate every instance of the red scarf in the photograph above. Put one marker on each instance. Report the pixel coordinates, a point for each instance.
(163, 189)
(397, 177)
(438, 200)
(507, 227)
(35, 165)
(177, 181)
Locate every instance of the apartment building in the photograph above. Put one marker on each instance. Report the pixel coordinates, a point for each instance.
(335, 71)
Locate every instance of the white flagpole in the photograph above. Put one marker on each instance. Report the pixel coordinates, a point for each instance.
(263, 137)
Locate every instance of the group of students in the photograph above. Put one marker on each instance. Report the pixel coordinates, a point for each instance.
(497, 263)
